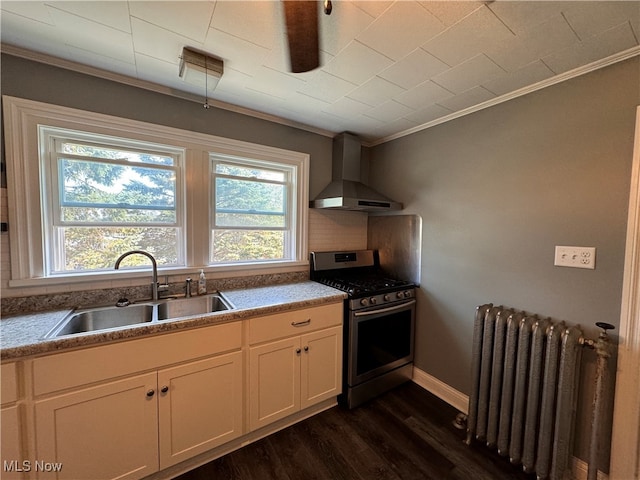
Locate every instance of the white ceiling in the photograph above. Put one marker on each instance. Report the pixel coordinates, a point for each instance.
(388, 67)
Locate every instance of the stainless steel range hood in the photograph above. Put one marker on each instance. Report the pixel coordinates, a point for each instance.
(346, 191)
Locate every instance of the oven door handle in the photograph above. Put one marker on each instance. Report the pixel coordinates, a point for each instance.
(384, 310)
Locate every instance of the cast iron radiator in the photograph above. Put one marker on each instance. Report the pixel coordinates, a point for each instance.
(524, 388)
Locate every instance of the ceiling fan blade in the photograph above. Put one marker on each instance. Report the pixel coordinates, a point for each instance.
(301, 19)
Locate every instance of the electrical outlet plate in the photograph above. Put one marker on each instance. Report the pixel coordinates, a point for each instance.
(575, 257)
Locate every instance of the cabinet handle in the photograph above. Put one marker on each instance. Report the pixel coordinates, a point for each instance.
(306, 349)
(164, 389)
(151, 393)
(298, 351)
(301, 324)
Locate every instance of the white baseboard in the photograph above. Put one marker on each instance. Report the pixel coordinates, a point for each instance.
(460, 401)
(444, 392)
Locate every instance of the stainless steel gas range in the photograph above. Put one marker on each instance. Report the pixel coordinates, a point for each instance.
(379, 322)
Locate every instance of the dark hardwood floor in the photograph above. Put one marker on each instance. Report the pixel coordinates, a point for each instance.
(405, 434)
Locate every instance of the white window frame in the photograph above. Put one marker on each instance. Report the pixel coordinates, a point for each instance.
(22, 119)
(49, 138)
(291, 171)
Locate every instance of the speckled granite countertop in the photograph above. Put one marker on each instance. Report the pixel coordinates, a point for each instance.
(23, 335)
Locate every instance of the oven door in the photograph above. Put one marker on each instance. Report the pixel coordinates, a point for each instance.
(380, 339)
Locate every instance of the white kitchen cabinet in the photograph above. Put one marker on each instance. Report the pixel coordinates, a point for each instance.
(132, 426)
(102, 432)
(10, 420)
(293, 373)
(200, 407)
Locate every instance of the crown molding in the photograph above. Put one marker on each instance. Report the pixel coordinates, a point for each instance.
(153, 87)
(563, 77)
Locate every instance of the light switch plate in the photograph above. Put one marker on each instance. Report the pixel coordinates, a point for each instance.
(575, 257)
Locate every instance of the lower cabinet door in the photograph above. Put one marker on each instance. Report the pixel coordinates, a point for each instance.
(12, 465)
(200, 406)
(321, 376)
(274, 381)
(103, 432)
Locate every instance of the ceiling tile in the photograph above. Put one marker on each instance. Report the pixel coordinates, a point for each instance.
(237, 53)
(304, 104)
(112, 14)
(451, 11)
(189, 19)
(357, 63)
(591, 49)
(343, 25)
(275, 83)
(89, 35)
(411, 24)
(347, 108)
(468, 74)
(467, 99)
(159, 43)
(169, 71)
(552, 35)
(428, 114)
(592, 18)
(414, 69)
(37, 11)
(389, 111)
(105, 63)
(375, 9)
(256, 22)
(326, 87)
(389, 128)
(530, 74)
(376, 91)
(524, 15)
(423, 95)
(31, 34)
(474, 34)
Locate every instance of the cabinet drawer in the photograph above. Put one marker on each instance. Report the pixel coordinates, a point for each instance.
(95, 364)
(271, 327)
(9, 383)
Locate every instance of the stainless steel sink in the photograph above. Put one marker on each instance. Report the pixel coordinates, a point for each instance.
(185, 307)
(103, 318)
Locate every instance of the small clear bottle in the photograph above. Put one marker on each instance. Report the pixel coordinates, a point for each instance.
(202, 283)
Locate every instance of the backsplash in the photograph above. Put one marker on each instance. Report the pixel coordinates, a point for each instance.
(337, 230)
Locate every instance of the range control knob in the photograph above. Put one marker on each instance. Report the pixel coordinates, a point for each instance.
(373, 300)
(407, 293)
(364, 302)
(386, 297)
(400, 294)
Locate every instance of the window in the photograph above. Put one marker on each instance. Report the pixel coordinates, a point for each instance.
(252, 212)
(84, 188)
(107, 196)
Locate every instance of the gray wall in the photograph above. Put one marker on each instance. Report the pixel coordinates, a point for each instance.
(497, 190)
(36, 81)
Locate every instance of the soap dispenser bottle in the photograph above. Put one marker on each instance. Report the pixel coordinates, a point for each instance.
(202, 283)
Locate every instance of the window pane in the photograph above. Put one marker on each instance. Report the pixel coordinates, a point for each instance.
(98, 248)
(115, 154)
(255, 198)
(246, 245)
(102, 192)
(249, 172)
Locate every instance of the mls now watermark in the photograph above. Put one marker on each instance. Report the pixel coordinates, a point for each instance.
(29, 466)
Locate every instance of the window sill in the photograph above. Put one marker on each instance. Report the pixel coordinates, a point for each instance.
(108, 279)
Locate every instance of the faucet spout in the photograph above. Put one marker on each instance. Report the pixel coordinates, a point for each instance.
(154, 266)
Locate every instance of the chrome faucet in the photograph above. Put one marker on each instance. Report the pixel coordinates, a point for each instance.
(154, 266)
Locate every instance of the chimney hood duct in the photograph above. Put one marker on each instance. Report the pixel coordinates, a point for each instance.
(346, 191)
